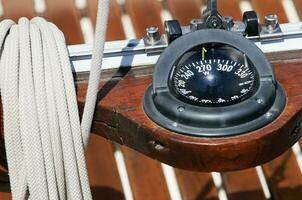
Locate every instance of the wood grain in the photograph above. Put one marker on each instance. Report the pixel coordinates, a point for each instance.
(146, 177)
(114, 22)
(102, 170)
(144, 13)
(243, 184)
(184, 11)
(113, 115)
(230, 8)
(298, 5)
(4, 186)
(283, 174)
(14, 9)
(5, 196)
(194, 185)
(67, 17)
(221, 154)
(144, 185)
(284, 177)
(270, 7)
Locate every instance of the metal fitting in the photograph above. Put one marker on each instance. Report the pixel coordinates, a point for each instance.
(153, 35)
(195, 24)
(271, 22)
(228, 22)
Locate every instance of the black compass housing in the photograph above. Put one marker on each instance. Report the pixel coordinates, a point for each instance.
(213, 83)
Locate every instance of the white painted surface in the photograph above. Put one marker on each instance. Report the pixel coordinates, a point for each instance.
(121, 167)
(245, 5)
(290, 11)
(217, 178)
(40, 6)
(171, 180)
(165, 15)
(263, 182)
(298, 153)
(81, 4)
(87, 30)
(128, 26)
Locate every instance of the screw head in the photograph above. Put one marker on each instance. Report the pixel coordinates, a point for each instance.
(181, 109)
(159, 147)
(214, 22)
(260, 101)
(269, 115)
(228, 22)
(271, 22)
(153, 34)
(152, 31)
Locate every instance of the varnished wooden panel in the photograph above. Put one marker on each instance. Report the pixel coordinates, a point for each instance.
(267, 7)
(194, 185)
(146, 177)
(185, 11)
(190, 183)
(201, 153)
(230, 8)
(102, 170)
(284, 177)
(298, 5)
(14, 9)
(4, 187)
(243, 184)
(5, 196)
(144, 185)
(67, 17)
(114, 23)
(144, 13)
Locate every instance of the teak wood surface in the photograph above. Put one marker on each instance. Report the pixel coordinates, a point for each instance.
(120, 110)
(283, 175)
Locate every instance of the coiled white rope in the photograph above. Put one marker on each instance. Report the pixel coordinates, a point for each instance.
(44, 139)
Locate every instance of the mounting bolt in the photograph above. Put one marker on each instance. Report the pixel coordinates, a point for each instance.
(194, 24)
(271, 22)
(214, 22)
(269, 115)
(153, 35)
(260, 101)
(228, 22)
(181, 109)
(158, 146)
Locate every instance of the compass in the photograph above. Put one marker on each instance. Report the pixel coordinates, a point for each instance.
(209, 76)
(213, 82)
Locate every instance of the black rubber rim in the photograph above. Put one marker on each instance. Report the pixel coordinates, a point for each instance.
(265, 119)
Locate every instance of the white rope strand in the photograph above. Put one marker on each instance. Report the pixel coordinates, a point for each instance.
(40, 91)
(97, 57)
(44, 139)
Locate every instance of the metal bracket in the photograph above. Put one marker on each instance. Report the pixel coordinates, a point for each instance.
(135, 52)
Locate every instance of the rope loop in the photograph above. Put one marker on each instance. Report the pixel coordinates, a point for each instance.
(45, 141)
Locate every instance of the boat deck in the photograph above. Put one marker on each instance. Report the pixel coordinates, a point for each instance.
(117, 172)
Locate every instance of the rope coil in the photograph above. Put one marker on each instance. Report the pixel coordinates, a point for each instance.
(45, 142)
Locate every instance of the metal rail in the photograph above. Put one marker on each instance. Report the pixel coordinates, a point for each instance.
(134, 52)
